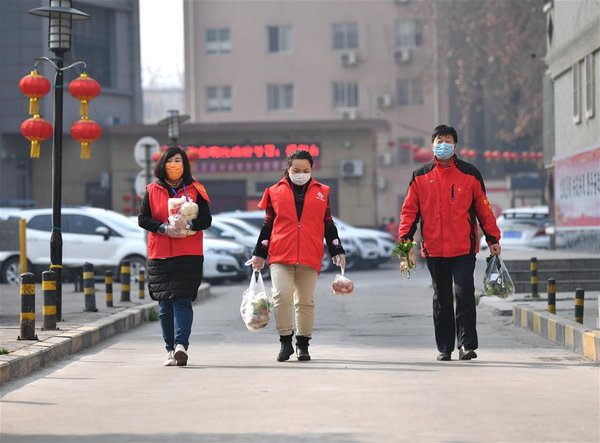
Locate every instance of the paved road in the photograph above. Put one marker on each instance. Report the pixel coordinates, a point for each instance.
(374, 378)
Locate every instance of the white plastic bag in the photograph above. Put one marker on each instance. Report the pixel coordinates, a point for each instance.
(342, 285)
(181, 207)
(256, 304)
(496, 280)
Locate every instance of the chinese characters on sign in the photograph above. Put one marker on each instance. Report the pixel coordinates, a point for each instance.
(249, 157)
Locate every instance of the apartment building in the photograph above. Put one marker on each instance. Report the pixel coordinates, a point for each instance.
(572, 123)
(290, 61)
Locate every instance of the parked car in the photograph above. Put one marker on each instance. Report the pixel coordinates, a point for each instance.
(385, 242)
(105, 238)
(522, 228)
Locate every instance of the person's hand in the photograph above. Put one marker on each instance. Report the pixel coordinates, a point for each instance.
(257, 263)
(172, 232)
(339, 260)
(178, 222)
(495, 249)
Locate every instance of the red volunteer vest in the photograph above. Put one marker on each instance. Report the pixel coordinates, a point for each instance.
(163, 246)
(293, 241)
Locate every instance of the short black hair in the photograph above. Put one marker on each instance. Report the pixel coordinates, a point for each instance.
(299, 154)
(444, 130)
(160, 169)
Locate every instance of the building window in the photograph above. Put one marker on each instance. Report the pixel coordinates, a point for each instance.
(218, 98)
(344, 36)
(409, 91)
(280, 97)
(93, 42)
(576, 70)
(409, 33)
(279, 38)
(589, 86)
(218, 41)
(345, 95)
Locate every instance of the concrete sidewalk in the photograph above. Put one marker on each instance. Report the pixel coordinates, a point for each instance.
(78, 330)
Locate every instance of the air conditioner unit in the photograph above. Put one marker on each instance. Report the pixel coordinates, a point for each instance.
(381, 183)
(384, 101)
(352, 168)
(349, 58)
(402, 55)
(385, 159)
(349, 113)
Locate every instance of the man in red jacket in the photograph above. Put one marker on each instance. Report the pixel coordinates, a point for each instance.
(448, 196)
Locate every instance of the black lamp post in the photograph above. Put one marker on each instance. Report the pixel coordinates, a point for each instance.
(60, 16)
(173, 122)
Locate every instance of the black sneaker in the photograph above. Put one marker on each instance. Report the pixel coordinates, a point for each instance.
(466, 354)
(444, 356)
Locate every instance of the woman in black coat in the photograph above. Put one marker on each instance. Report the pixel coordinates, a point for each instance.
(175, 249)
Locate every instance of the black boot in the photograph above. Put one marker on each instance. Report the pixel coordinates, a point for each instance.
(286, 347)
(302, 348)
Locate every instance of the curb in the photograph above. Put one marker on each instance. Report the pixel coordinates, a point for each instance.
(561, 331)
(32, 358)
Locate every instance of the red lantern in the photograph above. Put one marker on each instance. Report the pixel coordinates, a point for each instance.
(487, 155)
(525, 155)
(34, 86)
(464, 152)
(496, 155)
(156, 157)
(423, 155)
(506, 155)
(36, 129)
(514, 156)
(472, 153)
(539, 155)
(391, 144)
(84, 88)
(86, 131)
(406, 146)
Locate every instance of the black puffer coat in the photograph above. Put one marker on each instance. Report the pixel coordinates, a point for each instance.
(175, 277)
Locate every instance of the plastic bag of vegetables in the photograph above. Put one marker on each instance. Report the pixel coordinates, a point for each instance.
(496, 280)
(256, 304)
(342, 285)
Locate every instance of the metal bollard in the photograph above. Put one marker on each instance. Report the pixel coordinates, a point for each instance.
(141, 283)
(89, 290)
(108, 281)
(125, 281)
(552, 296)
(49, 308)
(27, 316)
(534, 277)
(579, 296)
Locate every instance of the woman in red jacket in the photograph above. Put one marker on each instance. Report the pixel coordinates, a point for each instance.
(175, 257)
(297, 217)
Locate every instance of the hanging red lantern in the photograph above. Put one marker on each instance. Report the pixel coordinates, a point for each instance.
(514, 156)
(525, 155)
(464, 152)
(506, 155)
(406, 146)
(34, 86)
(423, 155)
(496, 154)
(86, 131)
(36, 130)
(539, 155)
(487, 155)
(156, 156)
(84, 88)
(472, 153)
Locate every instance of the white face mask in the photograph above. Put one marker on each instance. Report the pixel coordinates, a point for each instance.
(300, 179)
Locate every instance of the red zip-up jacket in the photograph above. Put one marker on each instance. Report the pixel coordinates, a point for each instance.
(448, 200)
(296, 241)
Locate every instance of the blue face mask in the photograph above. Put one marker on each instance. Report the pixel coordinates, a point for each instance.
(443, 151)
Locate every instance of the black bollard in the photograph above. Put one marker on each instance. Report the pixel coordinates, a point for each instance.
(49, 309)
(141, 283)
(125, 281)
(534, 277)
(89, 290)
(579, 295)
(108, 281)
(27, 316)
(552, 296)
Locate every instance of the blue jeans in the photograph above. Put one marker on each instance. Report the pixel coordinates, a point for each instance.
(176, 316)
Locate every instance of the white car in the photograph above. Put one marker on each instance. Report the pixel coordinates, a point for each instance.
(385, 242)
(522, 228)
(105, 238)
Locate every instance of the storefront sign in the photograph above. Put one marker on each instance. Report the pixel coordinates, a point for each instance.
(577, 190)
(249, 158)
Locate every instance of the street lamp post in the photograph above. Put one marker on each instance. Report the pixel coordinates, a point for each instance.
(173, 122)
(60, 16)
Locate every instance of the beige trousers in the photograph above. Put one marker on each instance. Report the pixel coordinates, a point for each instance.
(294, 284)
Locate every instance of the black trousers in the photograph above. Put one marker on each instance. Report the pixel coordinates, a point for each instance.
(443, 272)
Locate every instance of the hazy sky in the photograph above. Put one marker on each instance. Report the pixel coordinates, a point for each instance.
(161, 29)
